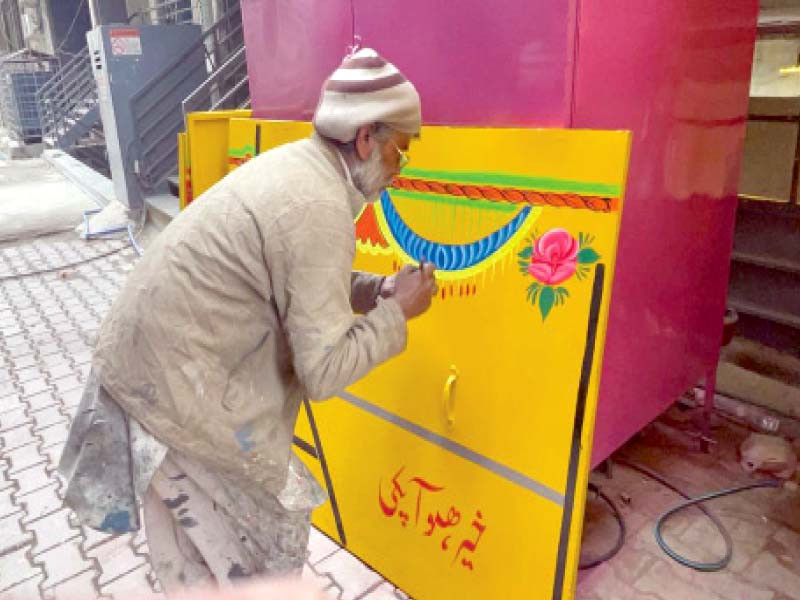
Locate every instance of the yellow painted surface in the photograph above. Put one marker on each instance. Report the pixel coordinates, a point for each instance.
(242, 137)
(454, 488)
(208, 146)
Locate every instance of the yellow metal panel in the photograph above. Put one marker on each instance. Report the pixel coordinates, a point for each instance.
(494, 399)
(249, 137)
(208, 146)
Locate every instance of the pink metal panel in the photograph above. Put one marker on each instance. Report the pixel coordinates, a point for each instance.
(292, 47)
(473, 62)
(677, 74)
(505, 62)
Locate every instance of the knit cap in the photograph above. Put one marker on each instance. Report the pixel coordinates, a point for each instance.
(366, 89)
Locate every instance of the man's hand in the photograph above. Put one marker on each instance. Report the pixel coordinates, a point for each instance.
(414, 289)
(389, 282)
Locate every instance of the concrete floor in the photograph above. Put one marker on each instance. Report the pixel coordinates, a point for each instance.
(764, 525)
(35, 199)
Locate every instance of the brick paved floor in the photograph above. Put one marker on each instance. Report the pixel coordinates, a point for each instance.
(764, 525)
(48, 324)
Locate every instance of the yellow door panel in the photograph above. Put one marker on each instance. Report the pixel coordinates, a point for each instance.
(459, 468)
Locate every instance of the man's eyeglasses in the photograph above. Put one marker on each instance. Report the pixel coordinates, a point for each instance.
(403, 155)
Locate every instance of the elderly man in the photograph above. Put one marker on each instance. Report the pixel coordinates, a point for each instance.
(242, 307)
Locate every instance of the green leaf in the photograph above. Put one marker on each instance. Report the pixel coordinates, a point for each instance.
(588, 256)
(533, 292)
(546, 299)
(585, 240)
(526, 253)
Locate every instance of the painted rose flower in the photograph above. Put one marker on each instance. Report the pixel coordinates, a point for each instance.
(555, 257)
(551, 260)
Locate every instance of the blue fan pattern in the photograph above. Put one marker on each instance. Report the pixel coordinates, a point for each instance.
(448, 257)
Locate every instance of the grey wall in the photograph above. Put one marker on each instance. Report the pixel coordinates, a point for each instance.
(10, 27)
(108, 11)
(69, 22)
(55, 26)
(36, 26)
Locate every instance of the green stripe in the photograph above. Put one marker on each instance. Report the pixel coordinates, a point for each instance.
(548, 184)
(241, 152)
(503, 207)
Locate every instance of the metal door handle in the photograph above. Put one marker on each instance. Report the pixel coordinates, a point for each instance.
(448, 403)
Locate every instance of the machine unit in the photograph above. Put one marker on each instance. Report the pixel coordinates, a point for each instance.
(143, 73)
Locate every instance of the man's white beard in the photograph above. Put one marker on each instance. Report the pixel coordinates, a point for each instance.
(369, 176)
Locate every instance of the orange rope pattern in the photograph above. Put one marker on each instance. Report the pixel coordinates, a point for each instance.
(502, 194)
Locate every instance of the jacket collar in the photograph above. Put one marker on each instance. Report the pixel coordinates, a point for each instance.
(334, 157)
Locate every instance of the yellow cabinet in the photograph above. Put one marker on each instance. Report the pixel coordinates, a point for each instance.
(459, 468)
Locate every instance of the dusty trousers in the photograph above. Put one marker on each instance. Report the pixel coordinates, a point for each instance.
(201, 530)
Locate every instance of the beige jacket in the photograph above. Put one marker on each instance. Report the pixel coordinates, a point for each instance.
(244, 305)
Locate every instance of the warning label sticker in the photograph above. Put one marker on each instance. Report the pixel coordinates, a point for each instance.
(125, 42)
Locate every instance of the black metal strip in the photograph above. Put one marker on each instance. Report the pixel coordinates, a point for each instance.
(325, 473)
(305, 447)
(577, 431)
(258, 140)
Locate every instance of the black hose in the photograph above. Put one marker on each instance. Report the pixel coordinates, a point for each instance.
(593, 562)
(698, 566)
